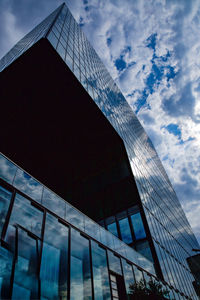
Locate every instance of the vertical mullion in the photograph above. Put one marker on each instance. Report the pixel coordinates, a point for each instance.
(14, 261)
(91, 268)
(40, 252)
(69, 263)
(131, 228)
(109, 273)
(7, 219)
(118, 228)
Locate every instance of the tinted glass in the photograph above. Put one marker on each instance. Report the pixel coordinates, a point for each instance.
(31, 187)
(26, 268)
(5, 197)
(7, 169)
(144, 249)
(125, 230)
(53, 271)
(114, 263)
(138, 226)
(53, 202)
(100, 273)
(128, 276)
(113, 228)
(80, 279)
(26, 215)
(138, 274)
(5, 272)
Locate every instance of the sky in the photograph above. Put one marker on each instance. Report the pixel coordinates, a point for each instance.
(152, 50)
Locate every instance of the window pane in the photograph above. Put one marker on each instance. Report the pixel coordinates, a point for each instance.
(113, 228)
(138, 226)
(114, 263)
(92, 228)
(5, 272)
(26, 215)
(74, 216)
(7, 170)
(144, 249)
(53, 202)
(128, 276)
(100, 273)
(5, 197)
(138, 274)
(53, 39)
(61, 50)
(53, 271)
(125, 230)
(25, 183)
(25, 277)
(80, 288)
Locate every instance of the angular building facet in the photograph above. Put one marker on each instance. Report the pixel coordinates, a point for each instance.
(67, 132)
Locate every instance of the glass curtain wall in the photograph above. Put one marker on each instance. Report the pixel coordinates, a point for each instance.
(43, 256)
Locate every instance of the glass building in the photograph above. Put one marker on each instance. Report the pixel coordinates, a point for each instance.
(101, 213)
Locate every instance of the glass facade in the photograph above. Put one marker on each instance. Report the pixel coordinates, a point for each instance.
(47, 256)
(26, 220)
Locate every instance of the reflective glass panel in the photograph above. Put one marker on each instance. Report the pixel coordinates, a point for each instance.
(53, 202)
(92, 228)
(138, 226)
(5, 197)
(26, 268)
(5, 272)
(26, 215)
(144, 249)
(114, 263)
(128, 276)
(125, 230)
(53, 39)
(31, 187)
(74, 217)
(113, 228)
(80, 279)
(138, 274)
(7, 169)
(53, 271)
(100, 273)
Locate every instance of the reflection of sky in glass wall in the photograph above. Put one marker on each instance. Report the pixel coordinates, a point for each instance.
(53, 202)
(138, 226)
(25, 276)
(54, 263)
(28, 185)
(113, 228)
(26, 42)
(26, 215)
(5, 271)
(125, 230)
(161, 205)
(128, 275)
(5, 197)
(149, 173)
(7, 170)
(100, 273)
(80, 275)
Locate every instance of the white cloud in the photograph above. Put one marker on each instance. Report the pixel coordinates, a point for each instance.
(12, 34)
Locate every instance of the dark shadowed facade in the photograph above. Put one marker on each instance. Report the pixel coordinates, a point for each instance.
(65, 122)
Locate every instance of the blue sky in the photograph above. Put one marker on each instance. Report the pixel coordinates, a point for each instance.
(151, 48)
